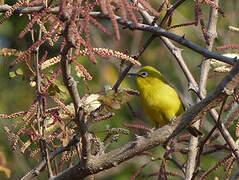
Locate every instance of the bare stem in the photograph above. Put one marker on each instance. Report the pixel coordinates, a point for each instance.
(71, 84)
(205, 66)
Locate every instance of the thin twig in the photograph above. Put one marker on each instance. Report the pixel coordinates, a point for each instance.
(170, 11)
(37, 169)
(206, 139)
(156, 30)
(193, 150)
(150, 20)
(43, 143)
(162, 32)
(122, 76)
(40, 110)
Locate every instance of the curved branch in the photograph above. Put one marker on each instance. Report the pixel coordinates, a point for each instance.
(179, 39)
(157, 137)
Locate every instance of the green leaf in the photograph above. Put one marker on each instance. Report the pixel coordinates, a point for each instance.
(51, 90)
(12, 74)
(115, 105)
(32, 83)
(62, 88)
(56, 88)
(6, 171)
(19, 72)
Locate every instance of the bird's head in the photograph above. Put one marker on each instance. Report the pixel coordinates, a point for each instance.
(149, 76)
(146, 73)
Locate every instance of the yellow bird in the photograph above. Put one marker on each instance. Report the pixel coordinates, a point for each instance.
(160, 101)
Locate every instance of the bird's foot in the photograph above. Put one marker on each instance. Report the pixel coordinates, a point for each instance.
(172, 120)
(152, 129)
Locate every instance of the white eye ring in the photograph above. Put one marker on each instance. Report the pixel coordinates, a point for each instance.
(143, 74)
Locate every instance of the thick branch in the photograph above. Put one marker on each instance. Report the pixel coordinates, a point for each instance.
(28, 10)
(181, 40)
(140, 144)
(71, 84)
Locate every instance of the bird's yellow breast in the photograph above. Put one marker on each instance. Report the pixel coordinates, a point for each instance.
(160, 101)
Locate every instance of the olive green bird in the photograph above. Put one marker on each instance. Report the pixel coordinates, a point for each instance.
(160, 101)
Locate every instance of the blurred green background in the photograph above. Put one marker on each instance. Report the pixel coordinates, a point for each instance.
(17, 95)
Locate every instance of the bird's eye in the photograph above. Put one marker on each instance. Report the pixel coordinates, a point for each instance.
(143, 74)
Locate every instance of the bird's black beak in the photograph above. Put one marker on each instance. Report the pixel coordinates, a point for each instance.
(133, 75)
